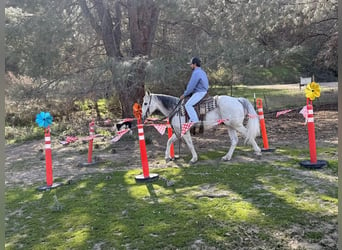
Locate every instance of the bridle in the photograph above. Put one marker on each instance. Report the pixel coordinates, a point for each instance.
(172, 113)
(147, 113)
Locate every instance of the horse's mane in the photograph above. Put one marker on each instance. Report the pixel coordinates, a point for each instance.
(167, 100)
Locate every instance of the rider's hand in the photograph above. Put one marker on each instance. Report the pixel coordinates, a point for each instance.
(181, 97)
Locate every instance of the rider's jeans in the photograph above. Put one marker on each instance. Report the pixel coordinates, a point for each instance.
(189, 106)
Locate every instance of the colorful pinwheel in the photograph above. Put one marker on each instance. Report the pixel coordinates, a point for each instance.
(44, 119)
(137, 111)
(312, 91)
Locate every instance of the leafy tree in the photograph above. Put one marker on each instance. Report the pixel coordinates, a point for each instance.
(240, 36)
(76, 49)
(126, 56)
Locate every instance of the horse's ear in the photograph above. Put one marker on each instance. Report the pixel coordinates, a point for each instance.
(147, 92)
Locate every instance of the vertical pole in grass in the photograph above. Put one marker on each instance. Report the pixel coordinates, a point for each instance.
(311, 132)
(254, 101)
(312, 91)
(143, 153)
(169, 133)
(262, 125)
(45, 120)
(91, 139)
(48, 157)
(146, 176)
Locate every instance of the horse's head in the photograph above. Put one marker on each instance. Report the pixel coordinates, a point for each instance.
(148, 106)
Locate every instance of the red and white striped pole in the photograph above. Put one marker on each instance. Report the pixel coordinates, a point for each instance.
(48, 158)
(313, 163)
(169, 133)
(48, 164)
(262, 125)
(146, 176)
(143, 153)
(91, 135)
(311, 133)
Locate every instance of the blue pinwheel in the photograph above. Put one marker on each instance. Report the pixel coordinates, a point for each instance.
(44, 119)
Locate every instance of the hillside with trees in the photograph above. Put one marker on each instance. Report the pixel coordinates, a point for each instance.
(63, 51)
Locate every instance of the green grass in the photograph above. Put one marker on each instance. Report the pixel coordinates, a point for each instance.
(222, 205)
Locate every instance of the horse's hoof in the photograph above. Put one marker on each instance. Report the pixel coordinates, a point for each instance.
(225, 159)
(192, 162)
(168, 159)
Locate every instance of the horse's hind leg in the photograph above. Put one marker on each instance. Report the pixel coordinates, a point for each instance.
(171, 140)
(234, 141)
(255, 146)
(250, 141)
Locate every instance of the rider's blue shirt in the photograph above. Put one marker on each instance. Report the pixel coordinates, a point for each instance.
(198, 82)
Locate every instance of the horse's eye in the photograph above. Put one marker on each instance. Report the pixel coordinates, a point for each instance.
(145, 103)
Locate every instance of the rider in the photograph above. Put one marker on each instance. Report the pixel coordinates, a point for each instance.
(197, 87)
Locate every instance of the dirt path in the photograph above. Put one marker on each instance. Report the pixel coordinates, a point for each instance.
(25, 163)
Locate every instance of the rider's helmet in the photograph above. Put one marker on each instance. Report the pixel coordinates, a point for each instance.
(195, 60)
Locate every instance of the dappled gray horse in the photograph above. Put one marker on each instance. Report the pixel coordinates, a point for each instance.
(230, 110)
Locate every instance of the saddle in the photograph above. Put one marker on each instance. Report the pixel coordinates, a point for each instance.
(205, 105)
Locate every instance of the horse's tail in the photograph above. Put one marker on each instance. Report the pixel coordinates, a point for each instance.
(253, 126)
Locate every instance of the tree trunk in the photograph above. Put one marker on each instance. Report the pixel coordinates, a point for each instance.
(127, 100)
(143, 18)
(133, 89)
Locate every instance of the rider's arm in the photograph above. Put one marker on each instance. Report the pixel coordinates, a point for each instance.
(195, 77)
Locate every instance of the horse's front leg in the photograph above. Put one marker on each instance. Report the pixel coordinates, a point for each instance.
(188, 141)
(171, 140)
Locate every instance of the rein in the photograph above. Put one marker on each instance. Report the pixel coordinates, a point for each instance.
(174, 111)
(169, 116)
